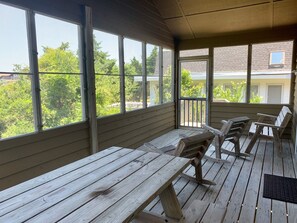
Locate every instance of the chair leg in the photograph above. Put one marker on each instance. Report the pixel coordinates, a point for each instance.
(277, 140)
(199, 178)
(218, 147)
(253, 140)
(198, 175)
(237, 152)
(216, 160)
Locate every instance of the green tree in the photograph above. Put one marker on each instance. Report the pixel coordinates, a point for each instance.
(189, 88)
(235, 93)
(107, 82)
(60, 93)
(16, 109)
(151, 61)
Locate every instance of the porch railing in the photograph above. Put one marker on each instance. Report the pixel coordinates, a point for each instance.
(192, 112)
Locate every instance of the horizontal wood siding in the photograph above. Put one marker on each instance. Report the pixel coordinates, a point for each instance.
(224, 111)
(25, 157)
(134, 128)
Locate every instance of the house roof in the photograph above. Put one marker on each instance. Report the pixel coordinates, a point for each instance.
(234, 59)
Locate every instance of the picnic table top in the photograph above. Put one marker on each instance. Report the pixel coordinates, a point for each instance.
(113, 185)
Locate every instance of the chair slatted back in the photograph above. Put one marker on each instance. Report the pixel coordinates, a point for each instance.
(194, 146)
(283, 119)
(234, 127)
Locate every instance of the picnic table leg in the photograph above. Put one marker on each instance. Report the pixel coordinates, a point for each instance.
(170, 203)
(254, 139)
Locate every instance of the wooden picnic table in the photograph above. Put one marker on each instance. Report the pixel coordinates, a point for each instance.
(113, 185)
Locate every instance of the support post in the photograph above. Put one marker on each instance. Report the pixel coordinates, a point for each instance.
(89, 74)
(122, 73)
(249, 73)
(161, 76)
(34, 70)
(209, 86)
(144, 76)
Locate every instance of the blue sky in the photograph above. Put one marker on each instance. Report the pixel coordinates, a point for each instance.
(51, 33)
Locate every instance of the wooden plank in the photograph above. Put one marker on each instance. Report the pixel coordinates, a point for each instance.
(248, 210)
(226, 179)
(148, 217)
(214, 213)
(263, 213)
(150, 137)
(144, 193)
(36, 137)
(39, 191)
(142, 123)
(43, 168)
(41, 146)
(99, 183)
(278, 207)
(289, 171)
(127, 117)
(236, 199)
(97, 206)
(196, 211)
(40, 158)
(129, 138)
(23, 187)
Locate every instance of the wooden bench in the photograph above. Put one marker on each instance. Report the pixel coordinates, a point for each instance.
(269, 126)
(114, 185)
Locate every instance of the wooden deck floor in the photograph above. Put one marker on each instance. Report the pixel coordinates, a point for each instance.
(239, 184)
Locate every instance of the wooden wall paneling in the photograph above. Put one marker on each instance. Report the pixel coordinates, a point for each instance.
(40, 158)
(137, 136)
(133, 128)
(36, 137)
(25, 157)
(27, 174)
(145, 122)
(119, 121)
(20, 152)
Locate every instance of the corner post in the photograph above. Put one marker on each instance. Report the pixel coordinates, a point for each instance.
(89, 78)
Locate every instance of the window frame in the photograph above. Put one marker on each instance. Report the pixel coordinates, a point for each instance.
(277, 65)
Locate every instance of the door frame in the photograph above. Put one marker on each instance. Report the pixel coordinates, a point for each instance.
(208, 82)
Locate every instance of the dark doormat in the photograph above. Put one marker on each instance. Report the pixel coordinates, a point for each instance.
(280, 188)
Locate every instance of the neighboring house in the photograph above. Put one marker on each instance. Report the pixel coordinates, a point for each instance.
(270, 74)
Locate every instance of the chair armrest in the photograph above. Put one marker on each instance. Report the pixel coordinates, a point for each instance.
(224, 121)
(268, 125)
(213, 130)
(266, 115)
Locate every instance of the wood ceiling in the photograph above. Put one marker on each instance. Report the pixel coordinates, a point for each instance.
(190, 19)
